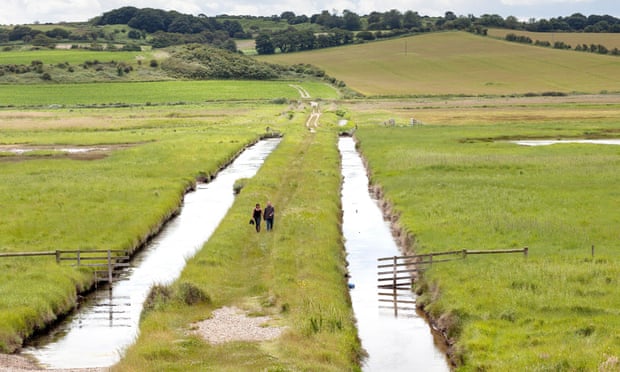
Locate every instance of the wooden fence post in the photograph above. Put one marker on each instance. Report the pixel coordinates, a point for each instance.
(394, 275)
(57, 256)
(592, 250)
(110, 268)
(78, 258)
(526, 251)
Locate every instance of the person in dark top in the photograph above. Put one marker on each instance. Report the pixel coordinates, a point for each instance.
(268, 215)
(256, 214)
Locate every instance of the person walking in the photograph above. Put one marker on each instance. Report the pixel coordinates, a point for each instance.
(268, 215)
(256, 215)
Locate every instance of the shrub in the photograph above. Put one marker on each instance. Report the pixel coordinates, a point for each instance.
(190, 294)
(239, 184)
(158, 296)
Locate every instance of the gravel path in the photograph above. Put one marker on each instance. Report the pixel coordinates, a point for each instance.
(232, 324)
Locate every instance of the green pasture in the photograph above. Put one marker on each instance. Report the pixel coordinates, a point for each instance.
(458, 183)
(295, 274)
(161, 92)
(459, 63)
(70, 56)
(55, 202)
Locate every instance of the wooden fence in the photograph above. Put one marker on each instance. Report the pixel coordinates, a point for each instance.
(106, 264)
(396, 274)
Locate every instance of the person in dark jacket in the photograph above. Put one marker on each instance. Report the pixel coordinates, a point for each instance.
(256, 215)
(268, 215)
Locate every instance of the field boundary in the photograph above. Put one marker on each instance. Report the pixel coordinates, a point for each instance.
(106, 263)
(399, 274)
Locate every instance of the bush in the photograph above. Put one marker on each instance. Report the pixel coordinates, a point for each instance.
(190, 294)
(158, 296)
(239, 185)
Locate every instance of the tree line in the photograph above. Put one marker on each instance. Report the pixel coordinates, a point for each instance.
(165, 28)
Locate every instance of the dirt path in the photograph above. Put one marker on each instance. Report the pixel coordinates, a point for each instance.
(302, 92)
(313, 121)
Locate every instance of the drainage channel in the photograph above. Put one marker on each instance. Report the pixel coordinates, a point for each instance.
(106, 323)
(402, 342)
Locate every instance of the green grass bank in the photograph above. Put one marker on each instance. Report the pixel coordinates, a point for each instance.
(295, 274)
(457, 183)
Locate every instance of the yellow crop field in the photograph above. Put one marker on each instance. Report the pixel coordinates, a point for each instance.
(459, 63)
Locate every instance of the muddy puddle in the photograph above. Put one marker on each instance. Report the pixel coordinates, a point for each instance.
(107, 321)
(394, 342)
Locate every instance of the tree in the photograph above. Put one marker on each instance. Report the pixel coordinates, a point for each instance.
(351, 21)
(118, 16)
(180, 25)
(134, 34)
(287, 16)
(511, 22)
(450, 16)
(577, 21)
(42, 40)
(375, 21)
(411, 20)
(58, 33)
(232, 27)
(264, 45)
(22, 32)
(392, 19)
(149, 20)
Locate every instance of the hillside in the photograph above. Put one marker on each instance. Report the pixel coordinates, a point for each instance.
(609, 40)
(459, 63)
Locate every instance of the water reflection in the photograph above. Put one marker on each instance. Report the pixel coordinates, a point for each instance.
(107, 322)
(394, 343)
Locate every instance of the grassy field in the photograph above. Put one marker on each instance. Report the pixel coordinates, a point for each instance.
(457, 63)
(457, 183)
(52, 201)
(609, 40)
(294, 274)
(151, 93)
(73, 56)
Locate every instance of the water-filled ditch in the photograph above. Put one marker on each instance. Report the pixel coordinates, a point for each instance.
(402, 342)
(106, 323)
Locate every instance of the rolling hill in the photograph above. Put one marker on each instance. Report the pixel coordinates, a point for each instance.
(459, 63)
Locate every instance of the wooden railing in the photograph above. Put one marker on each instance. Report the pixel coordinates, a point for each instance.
(396, 273)
(106, 264)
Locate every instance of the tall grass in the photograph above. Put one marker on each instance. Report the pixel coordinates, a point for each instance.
(454, 187)
(294, 274)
